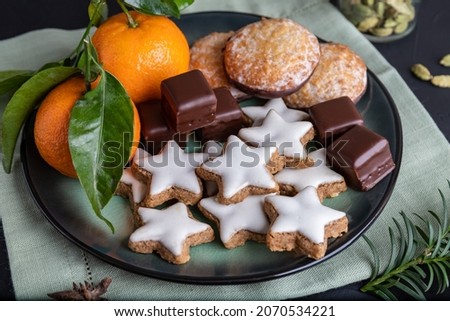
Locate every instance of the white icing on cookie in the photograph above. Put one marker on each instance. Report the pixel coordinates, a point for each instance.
(304, 214)
(138, 188)
(140, 154)
(258, 113)
(213, 149)
(315, 175)
(247, 215)
(173, 168)
(170, 226)
(241, 166)
(275, 130)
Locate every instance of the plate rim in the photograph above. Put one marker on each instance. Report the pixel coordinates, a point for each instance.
(223, 280)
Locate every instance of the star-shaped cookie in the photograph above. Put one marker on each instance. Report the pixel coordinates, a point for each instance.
(301, 223)
(238, 222)
(169, 232)
(319, 175)
(288, 137)
(241, 171)
(171, 175)
(256, 114)
(132, 188)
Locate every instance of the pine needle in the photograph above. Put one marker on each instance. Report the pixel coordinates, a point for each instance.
(419, 260)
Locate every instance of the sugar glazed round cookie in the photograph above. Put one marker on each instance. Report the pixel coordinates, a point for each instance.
(271, 58)
(340, 73)
(207, 56)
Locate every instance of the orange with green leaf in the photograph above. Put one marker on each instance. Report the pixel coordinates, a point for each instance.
(95, 124)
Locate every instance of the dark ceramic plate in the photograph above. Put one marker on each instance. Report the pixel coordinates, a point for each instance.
(63, 202)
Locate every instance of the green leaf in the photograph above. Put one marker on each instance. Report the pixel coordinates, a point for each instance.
(13, 79)
(97, 11)
(22, 103)
(98, 145)
(182, 4)
(159, 7)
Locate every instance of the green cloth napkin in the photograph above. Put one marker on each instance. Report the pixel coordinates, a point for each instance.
(43, 261)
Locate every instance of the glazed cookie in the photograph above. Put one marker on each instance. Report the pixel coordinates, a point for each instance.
(238, 223)
(301, 223)
(170, 175)
(327, 182)
(254, 115)
(271, 58)
(132, 188)
(289, 137)
(340, 73)
(213, 149)
(242, 171)
(207, 56)
(169, 232)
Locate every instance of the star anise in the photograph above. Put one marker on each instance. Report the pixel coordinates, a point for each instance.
(83, 292)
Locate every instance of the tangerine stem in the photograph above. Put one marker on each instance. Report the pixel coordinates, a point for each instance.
(131, 22)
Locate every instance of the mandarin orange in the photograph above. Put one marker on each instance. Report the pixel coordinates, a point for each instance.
(141, 57)
(51, 127)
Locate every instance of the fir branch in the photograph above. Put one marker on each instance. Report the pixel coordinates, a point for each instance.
(419, 263)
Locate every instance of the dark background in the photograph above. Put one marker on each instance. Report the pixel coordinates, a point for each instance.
(427, 44)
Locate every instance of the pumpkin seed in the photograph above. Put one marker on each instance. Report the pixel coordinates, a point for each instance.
(442, 81)
(421, 72)
(445, 61)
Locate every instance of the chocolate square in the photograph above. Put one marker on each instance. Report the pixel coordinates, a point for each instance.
(188, 101)
(154, 130)
(362, 156)
(228, 117)
(334, 117)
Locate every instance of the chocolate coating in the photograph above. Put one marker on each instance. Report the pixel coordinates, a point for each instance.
(362, 156)
(154, 130)
(334, 117)
(228, 117)
(188, 101)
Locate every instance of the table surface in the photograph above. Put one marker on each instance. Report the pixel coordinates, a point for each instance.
(426, 45)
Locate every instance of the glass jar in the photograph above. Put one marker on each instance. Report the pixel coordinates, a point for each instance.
(381, 20)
